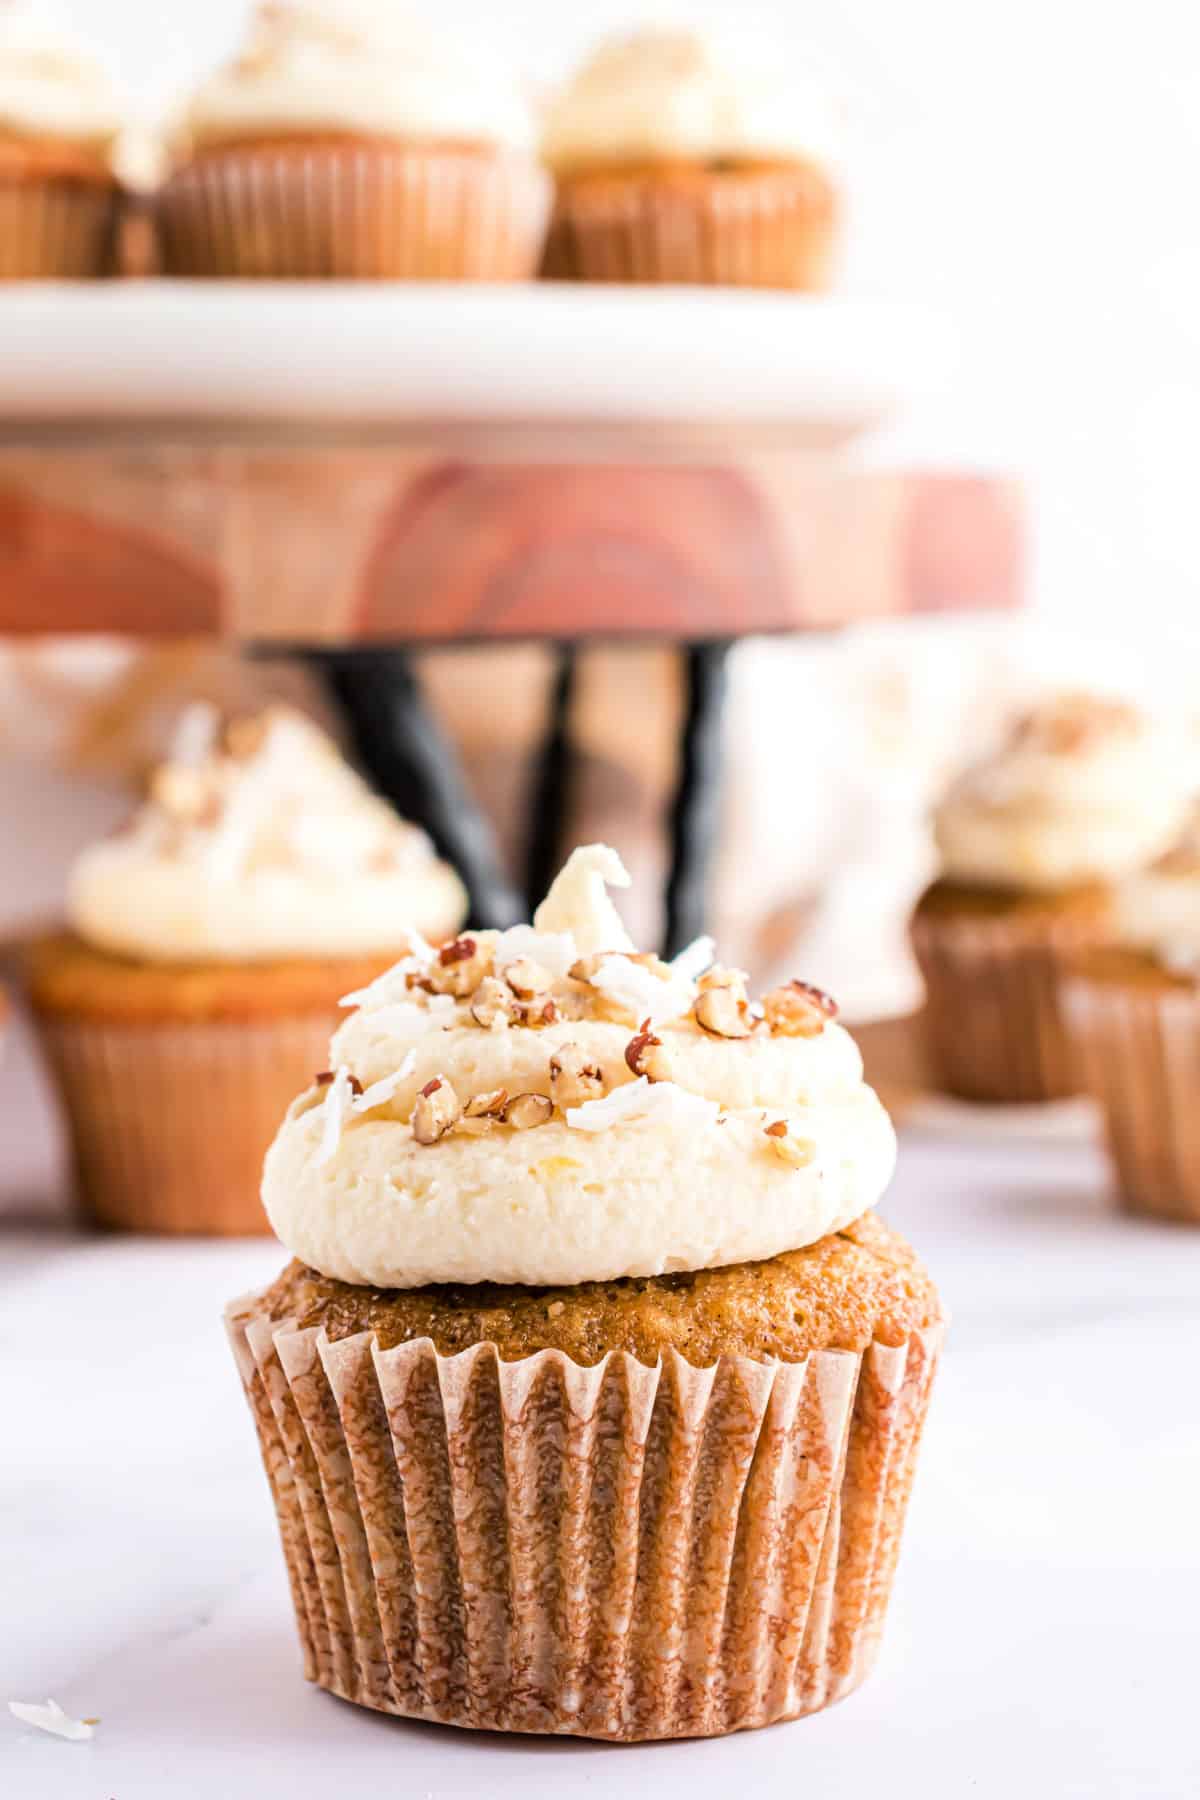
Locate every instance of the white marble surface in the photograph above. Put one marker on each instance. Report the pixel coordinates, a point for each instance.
(1044, 1635)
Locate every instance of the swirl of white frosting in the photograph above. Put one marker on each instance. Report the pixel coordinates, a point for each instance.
(1158, 909)
(662, 95)
(267, 847)
(652, 1176)
(1085, 790)
(49, 85)
(356, 66)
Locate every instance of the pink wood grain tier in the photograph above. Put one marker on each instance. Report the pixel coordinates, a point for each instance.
(417, 540)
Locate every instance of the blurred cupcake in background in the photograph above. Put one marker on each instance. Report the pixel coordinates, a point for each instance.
(1085, 791)
(208, 947)
(1133, 1009)
(345, 141)
(681, 160)
(60, 122)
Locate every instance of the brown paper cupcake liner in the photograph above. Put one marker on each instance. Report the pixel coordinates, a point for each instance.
(616, 1552)
(773, 230)
(351, 211)
(57, 228)
(1139, 1055)
(992, 1018)
(170, 1122)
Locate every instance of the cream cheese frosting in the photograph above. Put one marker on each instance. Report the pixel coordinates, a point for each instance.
(49, 85)
(1158, 909)
(666, 95)
(1086, 789)
(259, 841)
(359, 66)
(509, 1109)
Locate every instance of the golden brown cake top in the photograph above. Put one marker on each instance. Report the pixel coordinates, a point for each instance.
(67, 977)
(853, 1287)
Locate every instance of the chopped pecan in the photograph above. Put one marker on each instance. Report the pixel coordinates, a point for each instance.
(720, 978)
(492, 1004)
(526, 1110)
(492, 1103)
(459, 967)
(536, 1012)
(585, 967)
(645, 1055)
(573, 1079)
(718, 1012)
(795, 1151)
(798, 1009)
(526, 978)
(436, 1110)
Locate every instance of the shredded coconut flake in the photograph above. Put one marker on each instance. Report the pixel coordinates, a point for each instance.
(49, 1716)
(694, 958)
(663, 1101)
(554, 950)
(335, 1109)
(644, 994)
(383, 1089)
(392, 985)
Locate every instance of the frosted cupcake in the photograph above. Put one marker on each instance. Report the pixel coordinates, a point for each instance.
(209, 946)
(1133, 1010)
(60, 119)
(344, 142)
(591, 1401)
(1085, 790)
(678, 160)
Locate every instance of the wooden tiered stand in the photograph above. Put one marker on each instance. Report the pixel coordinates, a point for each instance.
(273, 467)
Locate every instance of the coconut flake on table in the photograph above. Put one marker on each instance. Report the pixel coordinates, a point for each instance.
(665, 1102)
(49, 1716)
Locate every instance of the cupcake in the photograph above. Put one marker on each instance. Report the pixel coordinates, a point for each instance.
(1133, 1009)
(343, 142)
(590, 1401)
(677, 160)
(209, 946)
(59, 124)
(1085, 790)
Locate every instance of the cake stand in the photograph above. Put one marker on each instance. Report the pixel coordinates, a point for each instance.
(345, 472)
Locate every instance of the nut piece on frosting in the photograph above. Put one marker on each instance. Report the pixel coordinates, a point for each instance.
(646, 1055)
(718, 1012)
(459, 967)
(574, 1079)
(437, 1109)
(797, 1009)
(797, 1152)
(527, 1110)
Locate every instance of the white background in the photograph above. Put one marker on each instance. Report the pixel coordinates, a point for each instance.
(1033, 166)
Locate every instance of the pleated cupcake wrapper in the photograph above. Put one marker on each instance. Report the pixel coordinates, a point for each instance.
(1139, 1055)
(388, 212)
(55, 228)
(992, 1016)
(773, 232)
(170, 1122)
(617, 1551)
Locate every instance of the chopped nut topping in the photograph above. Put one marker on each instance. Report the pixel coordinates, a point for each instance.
(526, 977)
(798, 1009)
(527, 1110)
(436, 1110)
(796, 1152)
(645, 1055)
(573, 1079)
(721, 979)
(585, 968)
(492, 1103)
(536, 1012)
(718, 1012)
(459, 967)
(492, 1004)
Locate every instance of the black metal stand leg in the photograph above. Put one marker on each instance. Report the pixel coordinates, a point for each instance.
(550, 791)
(696, 808)
(406, 757)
